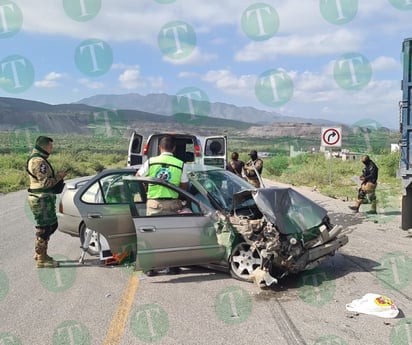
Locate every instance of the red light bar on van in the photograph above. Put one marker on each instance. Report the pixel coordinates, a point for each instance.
(145, 148)
(198, 152)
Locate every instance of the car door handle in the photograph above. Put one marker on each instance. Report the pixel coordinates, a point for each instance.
(94, 215)
(147, 229)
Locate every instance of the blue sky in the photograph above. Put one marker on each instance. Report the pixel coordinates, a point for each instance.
(333, 59)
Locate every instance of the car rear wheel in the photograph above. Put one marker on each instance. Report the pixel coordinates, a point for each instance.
(94, 242)
(243, 261)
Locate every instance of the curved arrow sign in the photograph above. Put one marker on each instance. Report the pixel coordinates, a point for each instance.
(332, 137)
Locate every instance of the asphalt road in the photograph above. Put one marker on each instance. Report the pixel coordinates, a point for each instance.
(96, 304)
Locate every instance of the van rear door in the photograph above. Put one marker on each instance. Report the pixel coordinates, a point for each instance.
(135, 156)
(186, 147)
(215, 151)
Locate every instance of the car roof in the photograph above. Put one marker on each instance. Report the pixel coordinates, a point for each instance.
(75, 183)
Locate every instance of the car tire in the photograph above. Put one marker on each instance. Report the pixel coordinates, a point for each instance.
(243, 261)
(94, 244)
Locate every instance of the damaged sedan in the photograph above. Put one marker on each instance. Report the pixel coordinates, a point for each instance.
(257, 235)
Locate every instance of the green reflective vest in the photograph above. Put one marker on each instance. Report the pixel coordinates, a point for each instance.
(167, 168)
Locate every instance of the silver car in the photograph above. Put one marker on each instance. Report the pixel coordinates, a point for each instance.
(256, 234)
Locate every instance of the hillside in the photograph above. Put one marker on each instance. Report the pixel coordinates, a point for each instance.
(19, 114)
(24, 115)
(164, 104)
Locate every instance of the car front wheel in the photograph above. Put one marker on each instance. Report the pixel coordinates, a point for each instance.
(94, 241)
(243, 261)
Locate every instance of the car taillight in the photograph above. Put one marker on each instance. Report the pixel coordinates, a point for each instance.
(145, 148)
(197, 151)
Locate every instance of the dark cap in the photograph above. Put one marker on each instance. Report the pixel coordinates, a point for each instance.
(253, 153)
(43, 141)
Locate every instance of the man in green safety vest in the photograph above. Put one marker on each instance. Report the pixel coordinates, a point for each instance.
(162, 200)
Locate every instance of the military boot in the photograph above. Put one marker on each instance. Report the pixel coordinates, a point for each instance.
(36, 256)
(373, 208)
(43, 260)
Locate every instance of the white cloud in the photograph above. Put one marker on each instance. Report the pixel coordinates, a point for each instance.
(227, 82)
(336, 42)
(128, 20)
(316, 95)
(130, 79)
(50, 80)
(385, 63)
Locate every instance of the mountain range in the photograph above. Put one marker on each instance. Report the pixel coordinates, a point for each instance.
(162, 104)
(148, 114)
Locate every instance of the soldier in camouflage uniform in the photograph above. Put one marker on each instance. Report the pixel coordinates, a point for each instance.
(249, 169)
(44, 184)
(366, 192)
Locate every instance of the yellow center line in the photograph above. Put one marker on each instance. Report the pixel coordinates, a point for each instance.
(118, 323)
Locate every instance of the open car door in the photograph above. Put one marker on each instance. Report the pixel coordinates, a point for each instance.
(215, 151)
(135, 156)
(114, 204)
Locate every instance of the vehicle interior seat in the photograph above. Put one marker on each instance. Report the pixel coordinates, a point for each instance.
(189, 157)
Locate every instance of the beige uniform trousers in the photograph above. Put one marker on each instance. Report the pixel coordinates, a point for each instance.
(369, 189)
(163, 206)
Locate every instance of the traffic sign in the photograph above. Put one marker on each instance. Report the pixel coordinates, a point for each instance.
(331, 136)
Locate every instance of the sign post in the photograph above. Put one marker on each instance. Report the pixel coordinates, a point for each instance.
(331, 137)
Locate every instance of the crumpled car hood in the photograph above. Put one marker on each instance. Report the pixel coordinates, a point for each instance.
(289, 210)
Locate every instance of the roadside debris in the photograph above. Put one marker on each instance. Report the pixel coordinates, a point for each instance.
(374, 304)
(260, 277)
(116, 259)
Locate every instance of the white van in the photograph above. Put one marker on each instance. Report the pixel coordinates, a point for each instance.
(211, 150)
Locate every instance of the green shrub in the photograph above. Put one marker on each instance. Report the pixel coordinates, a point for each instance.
(300, 159)
(276, 165)
(389, 164)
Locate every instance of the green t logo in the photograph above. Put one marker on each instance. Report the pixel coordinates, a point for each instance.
(191, 106)
(16, 74)
(403, 5)
(177, 40)
(330, 340)
(82, 10)
(395, 271)
(402, 333)
(150, 323)
(274, 88)
(260, 22)
(316, 287)
(9, 339)
(233, 305)
(338, 12)
(94, 57)
(58, 279)
(71, 332)
(352, 71)
(11, 19)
